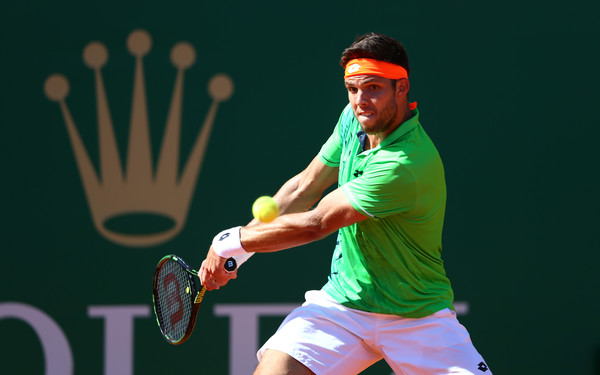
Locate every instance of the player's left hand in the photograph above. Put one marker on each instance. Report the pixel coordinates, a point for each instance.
(212, 272)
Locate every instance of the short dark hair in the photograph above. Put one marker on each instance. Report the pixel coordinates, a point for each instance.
(376, 46)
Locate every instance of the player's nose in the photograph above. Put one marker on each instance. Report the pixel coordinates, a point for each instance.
(362, 98)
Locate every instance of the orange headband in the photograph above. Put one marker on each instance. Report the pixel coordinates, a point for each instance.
(380, 68)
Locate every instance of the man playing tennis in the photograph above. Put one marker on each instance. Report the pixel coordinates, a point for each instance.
(387, 295)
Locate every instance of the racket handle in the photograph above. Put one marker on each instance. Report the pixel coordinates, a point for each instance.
(235, 262)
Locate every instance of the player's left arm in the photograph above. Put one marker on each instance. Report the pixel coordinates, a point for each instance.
(333, 212)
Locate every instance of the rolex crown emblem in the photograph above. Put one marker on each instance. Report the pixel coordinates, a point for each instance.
(142, 188)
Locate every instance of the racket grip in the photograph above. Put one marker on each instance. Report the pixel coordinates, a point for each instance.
(235, 262)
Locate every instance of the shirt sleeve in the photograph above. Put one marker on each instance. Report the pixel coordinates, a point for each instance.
(384, 188)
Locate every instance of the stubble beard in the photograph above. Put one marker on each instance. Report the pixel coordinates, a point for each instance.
(384, 120)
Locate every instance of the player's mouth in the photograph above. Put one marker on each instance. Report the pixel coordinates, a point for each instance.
(366, 114)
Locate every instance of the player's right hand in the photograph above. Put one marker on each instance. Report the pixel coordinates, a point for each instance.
(212, 272)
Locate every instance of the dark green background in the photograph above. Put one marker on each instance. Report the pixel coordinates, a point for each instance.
(507, 90)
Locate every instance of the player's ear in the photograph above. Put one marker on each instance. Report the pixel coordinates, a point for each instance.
(402, 87)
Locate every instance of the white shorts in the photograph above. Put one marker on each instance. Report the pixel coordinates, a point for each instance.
(329, 338)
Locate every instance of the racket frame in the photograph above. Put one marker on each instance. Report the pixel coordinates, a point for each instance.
(196, 297)
(231, 265)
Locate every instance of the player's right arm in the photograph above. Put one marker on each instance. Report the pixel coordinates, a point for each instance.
(296, 197)
(301, 192)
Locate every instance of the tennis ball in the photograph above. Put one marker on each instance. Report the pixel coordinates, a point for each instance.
(265, 209)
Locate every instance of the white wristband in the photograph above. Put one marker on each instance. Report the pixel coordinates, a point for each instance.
(227, 244)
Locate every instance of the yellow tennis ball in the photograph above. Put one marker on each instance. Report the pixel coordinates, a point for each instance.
(265, 209)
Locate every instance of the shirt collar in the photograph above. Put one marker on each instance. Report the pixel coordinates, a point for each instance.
(403, 129)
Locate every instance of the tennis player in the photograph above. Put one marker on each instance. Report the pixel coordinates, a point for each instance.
(387, 295)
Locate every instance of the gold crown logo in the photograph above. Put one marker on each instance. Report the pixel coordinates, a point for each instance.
(141, 189)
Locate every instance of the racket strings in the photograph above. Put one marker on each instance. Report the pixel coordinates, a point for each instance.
(174, 302)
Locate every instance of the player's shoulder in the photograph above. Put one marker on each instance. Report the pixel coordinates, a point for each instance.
(347, 115)
(347, 122)
(408, 152)
(347, 110)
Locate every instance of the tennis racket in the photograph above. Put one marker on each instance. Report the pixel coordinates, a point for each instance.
(177, 297)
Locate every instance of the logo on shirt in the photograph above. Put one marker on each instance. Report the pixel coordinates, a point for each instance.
(357, 173)
(482, 367)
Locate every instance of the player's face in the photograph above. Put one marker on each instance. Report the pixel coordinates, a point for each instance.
(374, 102)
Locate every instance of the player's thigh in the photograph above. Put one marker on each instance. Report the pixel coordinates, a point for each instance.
(439, 344)
(325, 337)
(274, 362)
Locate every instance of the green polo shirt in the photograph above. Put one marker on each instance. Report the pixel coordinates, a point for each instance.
(390, 263)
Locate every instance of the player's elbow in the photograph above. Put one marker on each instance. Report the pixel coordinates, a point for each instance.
(318, 226)
(306, 195)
